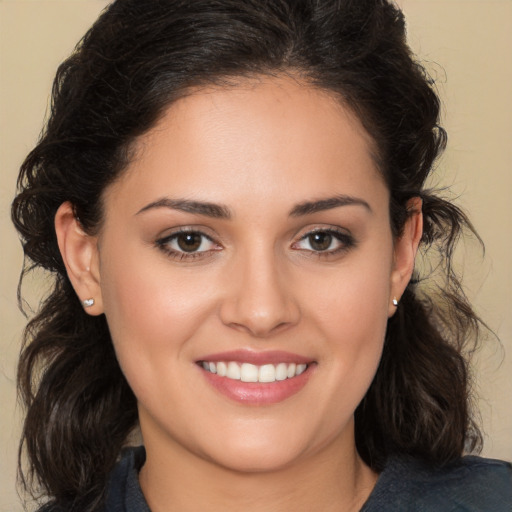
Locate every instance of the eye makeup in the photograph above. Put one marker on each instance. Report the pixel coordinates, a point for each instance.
(190, 243)
(325, 242)
(187, 244)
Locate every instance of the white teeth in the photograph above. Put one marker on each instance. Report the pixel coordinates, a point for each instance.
(291, 370)
(281, 371)
(247, 372)
(222, 369)
(233, 371)
(300, 369)
(267, 373)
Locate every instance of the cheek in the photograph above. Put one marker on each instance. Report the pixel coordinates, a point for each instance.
(351, 311)
(150, 311)
(353, 300)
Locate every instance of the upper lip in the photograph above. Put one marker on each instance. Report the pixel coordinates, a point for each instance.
(257, 358)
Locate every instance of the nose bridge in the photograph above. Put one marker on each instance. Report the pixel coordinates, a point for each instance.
(260, 300)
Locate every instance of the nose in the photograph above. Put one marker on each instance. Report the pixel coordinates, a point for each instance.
(260, 300)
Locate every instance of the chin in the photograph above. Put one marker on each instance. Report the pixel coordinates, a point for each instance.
(268, 449)
(251, 459)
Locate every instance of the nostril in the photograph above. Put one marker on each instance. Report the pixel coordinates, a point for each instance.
(259, 329)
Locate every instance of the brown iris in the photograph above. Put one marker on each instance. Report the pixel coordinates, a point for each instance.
(189, 242)
(320, 241)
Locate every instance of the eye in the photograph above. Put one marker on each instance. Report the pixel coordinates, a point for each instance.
(187, 244)
(190, 242)
(327, 241)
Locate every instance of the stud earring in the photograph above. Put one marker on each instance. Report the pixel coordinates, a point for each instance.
(87, 303)
(395, 302)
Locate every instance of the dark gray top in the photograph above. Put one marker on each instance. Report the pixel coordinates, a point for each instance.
(472, 484)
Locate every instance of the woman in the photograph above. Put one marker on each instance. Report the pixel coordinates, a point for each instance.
(230, 195)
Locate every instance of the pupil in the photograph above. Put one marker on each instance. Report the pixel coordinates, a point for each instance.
(320, 241)
(189, 242)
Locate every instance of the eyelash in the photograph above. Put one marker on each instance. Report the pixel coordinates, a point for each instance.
(164, 245)
(346, 242)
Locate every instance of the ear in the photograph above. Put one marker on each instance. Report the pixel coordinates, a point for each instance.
(80, 254)
(405, 249)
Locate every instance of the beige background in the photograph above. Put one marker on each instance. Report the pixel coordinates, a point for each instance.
(468, 46)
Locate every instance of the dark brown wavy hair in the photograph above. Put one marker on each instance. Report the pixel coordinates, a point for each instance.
(140, 56)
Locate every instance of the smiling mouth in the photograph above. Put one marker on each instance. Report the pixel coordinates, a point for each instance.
(247, 372)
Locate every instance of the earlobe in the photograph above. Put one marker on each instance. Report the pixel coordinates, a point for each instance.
(406, 247)
(80, 255)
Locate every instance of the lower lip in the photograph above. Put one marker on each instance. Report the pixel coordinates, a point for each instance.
(257, 393)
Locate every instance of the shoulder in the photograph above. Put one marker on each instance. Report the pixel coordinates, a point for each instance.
(472, 484)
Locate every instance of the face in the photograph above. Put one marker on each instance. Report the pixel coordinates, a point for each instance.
(246, 268)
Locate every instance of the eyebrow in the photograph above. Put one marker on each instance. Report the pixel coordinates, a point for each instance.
(310, 207)
(185, 205)
(219, 211)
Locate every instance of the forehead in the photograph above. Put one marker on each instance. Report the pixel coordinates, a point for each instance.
(260, 136)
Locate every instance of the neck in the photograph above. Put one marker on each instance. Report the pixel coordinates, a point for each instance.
(333, 479)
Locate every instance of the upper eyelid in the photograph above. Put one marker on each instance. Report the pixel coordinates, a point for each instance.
(164, 244)
(172, 236)
(203, 231)
(325, 229)
(345, 240)
(173, 232)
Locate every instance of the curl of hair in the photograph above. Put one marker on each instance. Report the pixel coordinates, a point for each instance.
(140, 56)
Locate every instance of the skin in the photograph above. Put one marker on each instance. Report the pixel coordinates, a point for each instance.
(258, 149)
